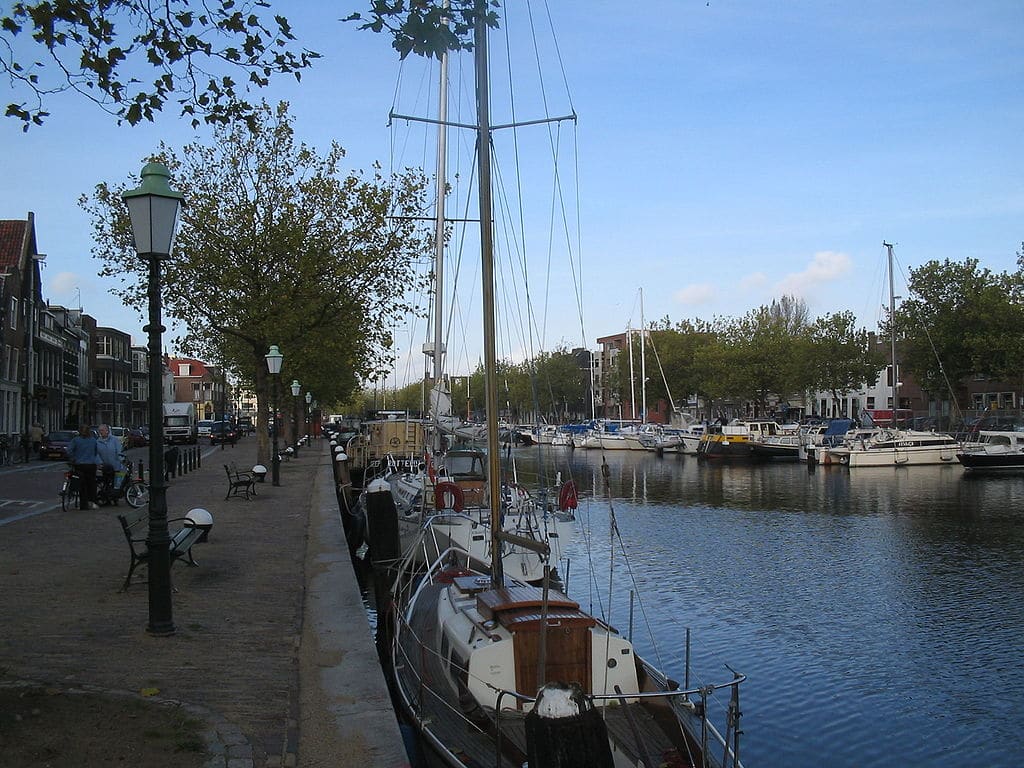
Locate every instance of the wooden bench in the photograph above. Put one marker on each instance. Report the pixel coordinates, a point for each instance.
(239, 482)
(135, 524)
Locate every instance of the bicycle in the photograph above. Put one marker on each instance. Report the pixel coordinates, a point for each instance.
(70, 490)
(108, 491)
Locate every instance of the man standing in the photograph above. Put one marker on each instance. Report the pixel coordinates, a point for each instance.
(84, 458)
(35, 436)
(111, 459)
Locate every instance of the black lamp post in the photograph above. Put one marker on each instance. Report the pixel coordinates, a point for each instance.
(296, 388)
(274, 359)
(154, 209)
(305, 415)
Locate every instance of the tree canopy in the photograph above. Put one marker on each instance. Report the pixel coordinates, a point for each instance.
(425, 27)
(278, 246)
(101, 49)
(961, 319)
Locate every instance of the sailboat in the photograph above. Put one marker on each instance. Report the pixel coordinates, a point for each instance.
(892, 446)
(473, 648)
(433, 498)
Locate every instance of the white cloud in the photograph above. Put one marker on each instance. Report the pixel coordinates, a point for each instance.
(696, 293)
(63, 285)
(753, 281)
(826, 267)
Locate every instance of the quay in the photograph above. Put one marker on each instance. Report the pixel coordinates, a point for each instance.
(272, 649)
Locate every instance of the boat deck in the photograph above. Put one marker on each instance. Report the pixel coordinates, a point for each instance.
(443, 717)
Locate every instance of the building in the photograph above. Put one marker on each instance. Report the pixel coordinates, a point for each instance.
(202, 384)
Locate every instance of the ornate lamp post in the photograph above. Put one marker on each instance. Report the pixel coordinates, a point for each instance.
(296, 388)
(154, 209)
(305, 413)
(274, 359)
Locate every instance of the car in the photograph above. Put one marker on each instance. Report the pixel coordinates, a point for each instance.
(223, 431)
(136, 439)
(204, 427)
(55, 445)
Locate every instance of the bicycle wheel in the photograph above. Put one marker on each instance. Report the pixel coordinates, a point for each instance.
(69, 496)
(137, 494)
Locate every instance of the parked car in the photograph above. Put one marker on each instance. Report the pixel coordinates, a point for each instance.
(55, 445)
(223, 431)
(136, 439)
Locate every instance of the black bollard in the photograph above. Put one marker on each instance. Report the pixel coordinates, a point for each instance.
(382, 524)
(564, 730)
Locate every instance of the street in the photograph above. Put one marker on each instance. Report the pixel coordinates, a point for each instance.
(33, 489)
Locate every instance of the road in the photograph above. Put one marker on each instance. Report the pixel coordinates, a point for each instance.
(33, 489)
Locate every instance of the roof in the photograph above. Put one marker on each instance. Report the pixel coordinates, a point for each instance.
(12, 243)
(197, 368)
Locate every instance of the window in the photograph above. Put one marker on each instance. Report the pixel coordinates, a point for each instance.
(140, 390)
(184, 369)
(1006, 400)
(14, 314)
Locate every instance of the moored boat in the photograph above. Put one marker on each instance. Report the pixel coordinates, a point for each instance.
(896, 447)
(995, 450)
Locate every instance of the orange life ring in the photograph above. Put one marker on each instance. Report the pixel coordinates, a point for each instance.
(567, 496)
(442, 490)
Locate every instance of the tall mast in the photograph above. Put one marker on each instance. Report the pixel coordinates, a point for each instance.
(892, 336)
(632, 377)
(643, 361)
(483, 151)
(442, 184)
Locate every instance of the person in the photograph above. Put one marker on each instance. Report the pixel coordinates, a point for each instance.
(111, 457)
(35, 435)
(84, 457)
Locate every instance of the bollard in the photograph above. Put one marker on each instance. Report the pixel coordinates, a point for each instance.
(199, 458)
(142, 470)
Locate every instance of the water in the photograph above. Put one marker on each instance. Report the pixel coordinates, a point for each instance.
(878, 613)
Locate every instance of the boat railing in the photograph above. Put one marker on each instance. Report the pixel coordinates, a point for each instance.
(686, 703)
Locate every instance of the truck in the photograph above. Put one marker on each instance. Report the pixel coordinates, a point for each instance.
(180, 423)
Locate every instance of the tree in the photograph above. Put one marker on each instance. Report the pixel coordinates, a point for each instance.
(961, 320)
(101, 48)
(769, 343)
(428, 28)
(840, 355)
(277, 247)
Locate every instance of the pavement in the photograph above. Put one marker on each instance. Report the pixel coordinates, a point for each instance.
(272, 648)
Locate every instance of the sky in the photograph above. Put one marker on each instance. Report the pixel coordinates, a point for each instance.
(725, 153)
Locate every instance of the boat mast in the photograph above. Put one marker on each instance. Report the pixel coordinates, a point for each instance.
(483, 152)
(442, 184)
(632, 376)
(437, 352)
(643, 361)
(892, 335)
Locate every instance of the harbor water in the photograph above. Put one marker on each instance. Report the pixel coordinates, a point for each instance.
(878, 613)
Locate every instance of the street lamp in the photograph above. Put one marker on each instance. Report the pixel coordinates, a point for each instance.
(309, 399)
(154, 209)
(274, 359)
(296, 388)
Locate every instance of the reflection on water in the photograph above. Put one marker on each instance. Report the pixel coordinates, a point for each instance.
(878, 612)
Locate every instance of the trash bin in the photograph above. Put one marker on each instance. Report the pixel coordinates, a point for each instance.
(200, 518)
(259, 472)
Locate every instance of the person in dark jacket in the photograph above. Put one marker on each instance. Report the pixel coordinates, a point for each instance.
(84, 457)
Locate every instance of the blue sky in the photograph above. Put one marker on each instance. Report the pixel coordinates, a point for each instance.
(728, 152)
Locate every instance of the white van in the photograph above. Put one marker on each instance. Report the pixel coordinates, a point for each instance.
(204, 427)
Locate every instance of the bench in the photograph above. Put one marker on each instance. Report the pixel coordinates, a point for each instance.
(135, 524)
(239, 482)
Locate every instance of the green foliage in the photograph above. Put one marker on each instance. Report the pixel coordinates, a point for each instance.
(841, 357)
(427, 28)
(102, 48)
(277, 246)
(961, 320)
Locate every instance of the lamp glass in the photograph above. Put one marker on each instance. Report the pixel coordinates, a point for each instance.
(274, 359)
(309, 398)
(296, 387)
(154, 209)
